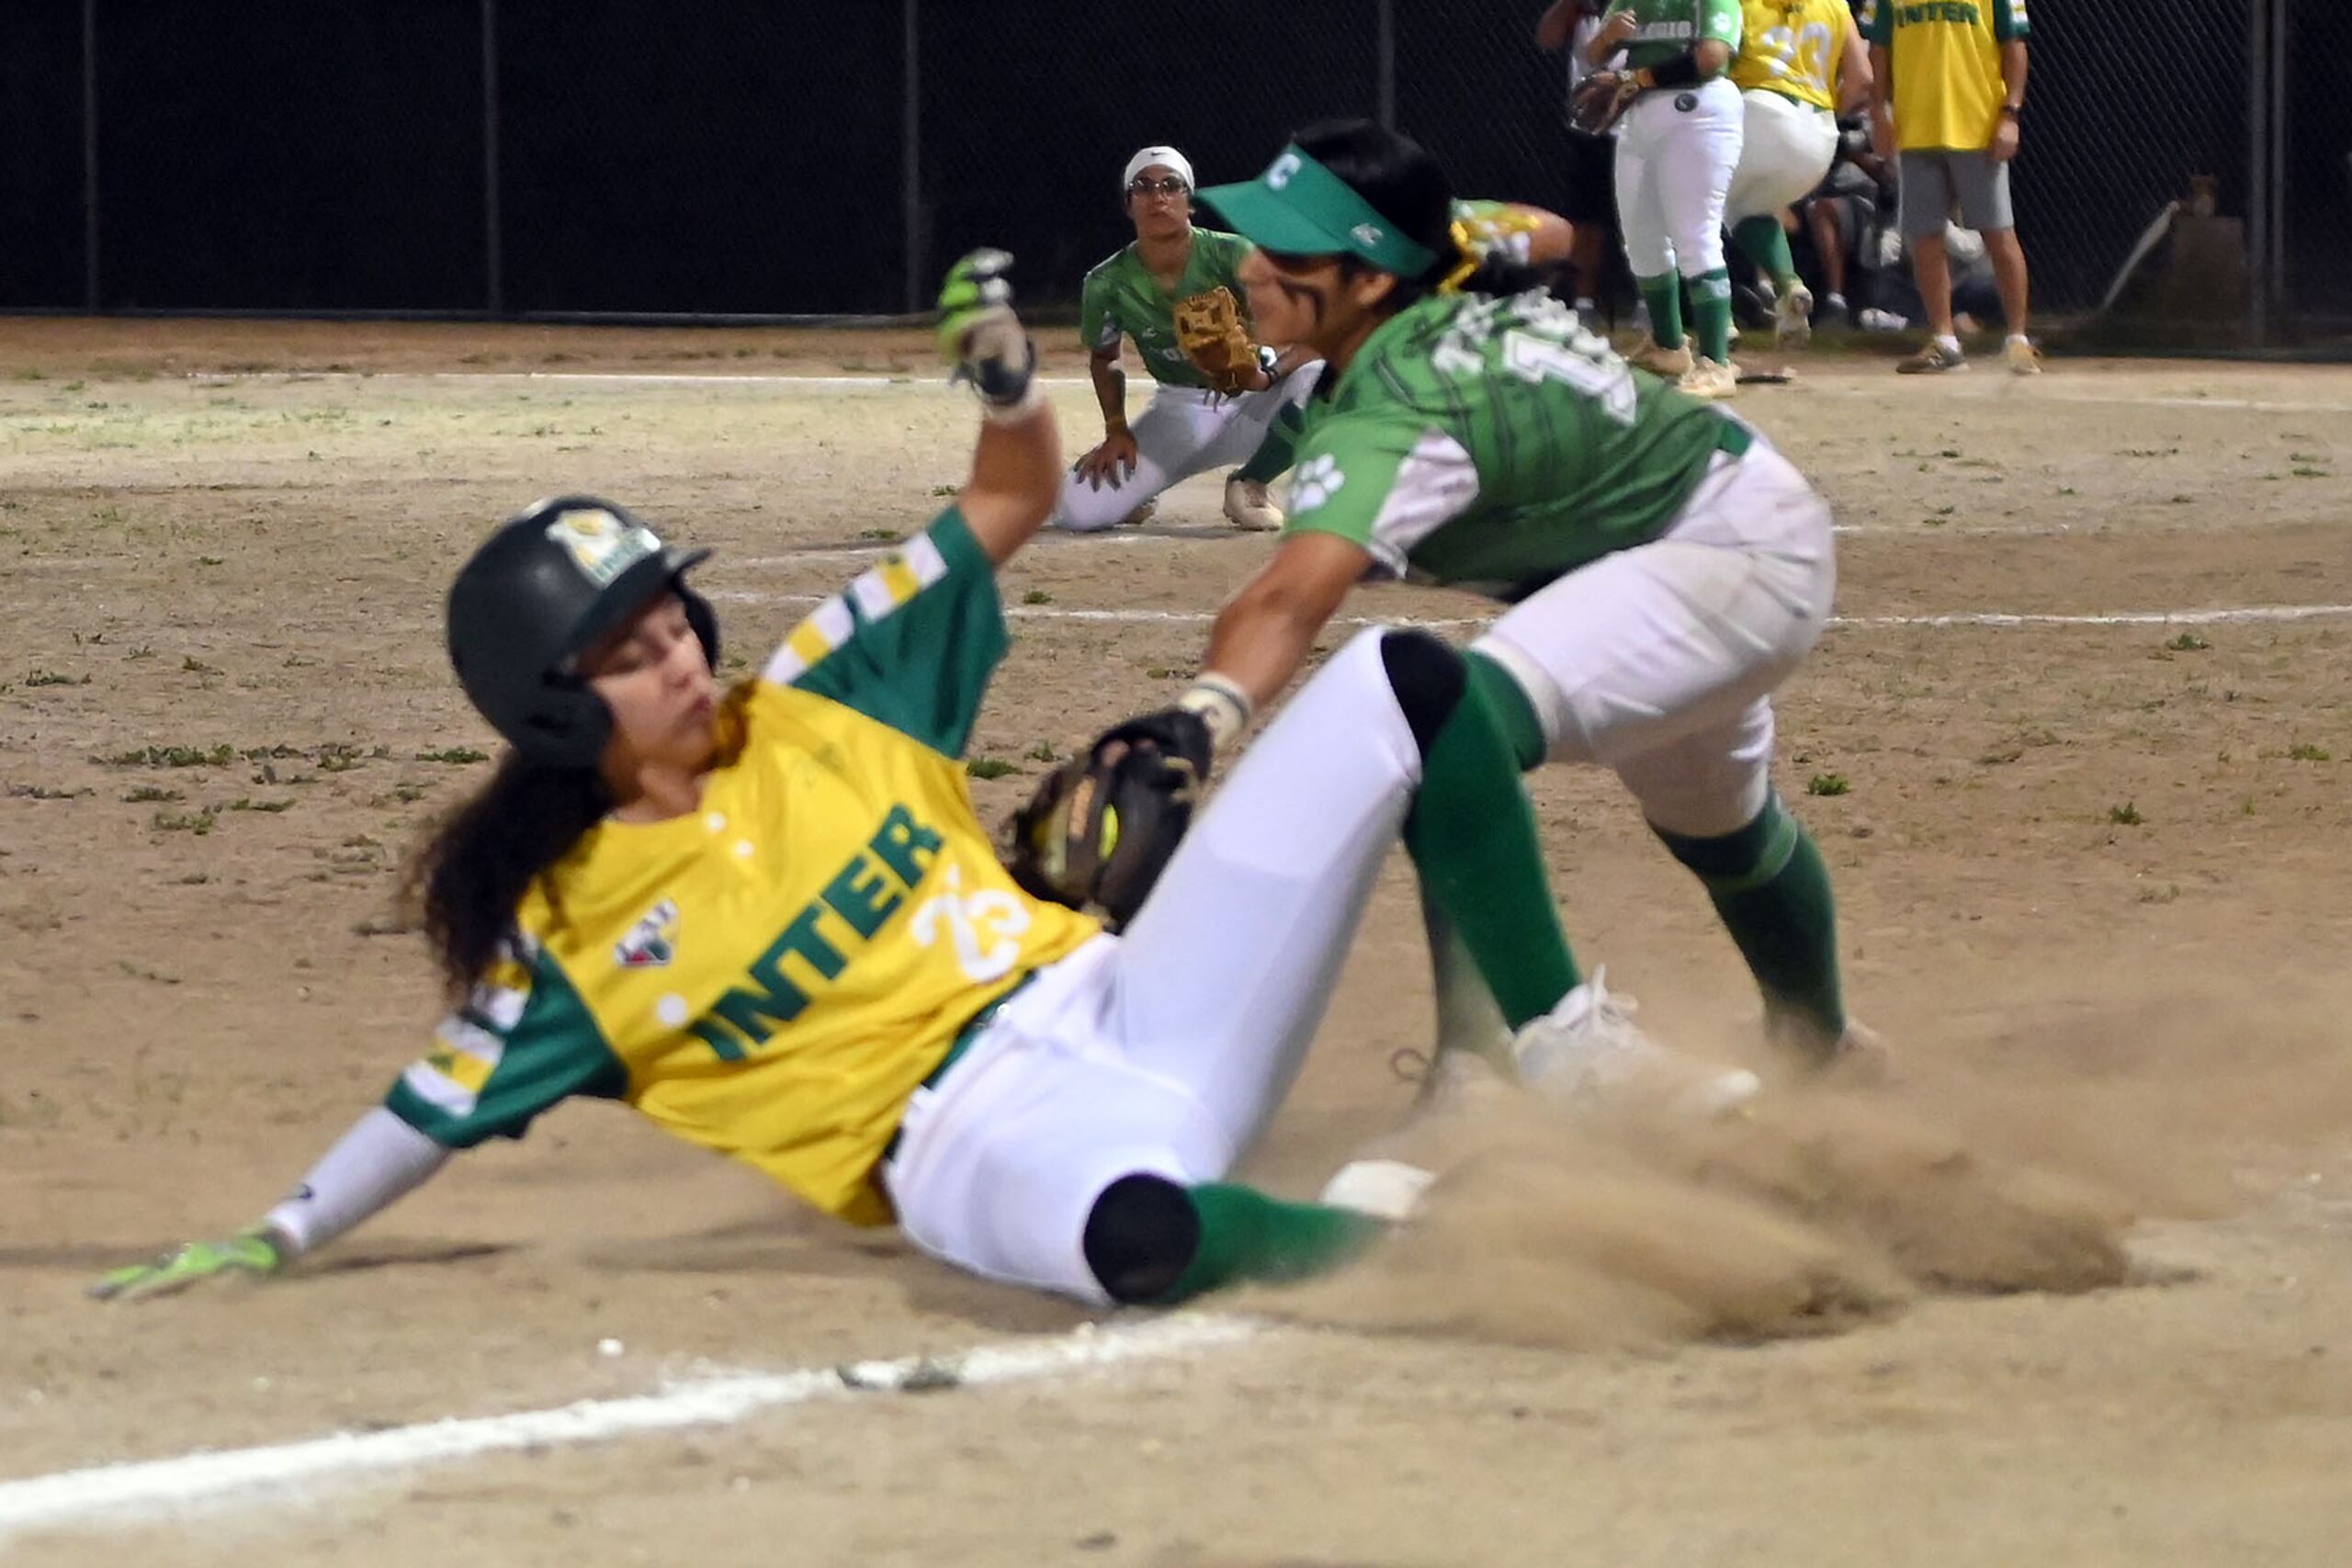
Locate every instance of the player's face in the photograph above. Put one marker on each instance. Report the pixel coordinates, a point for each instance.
(652, 674)
(1159, 202)
(1310, 300)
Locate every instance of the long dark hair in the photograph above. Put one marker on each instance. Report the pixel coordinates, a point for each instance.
(466, 879)
(1408, 186)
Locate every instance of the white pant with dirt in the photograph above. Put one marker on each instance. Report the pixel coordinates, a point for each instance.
(1675, 151)
(1659, 661)
(1164, 1051)
(1786, 148)
(1182, 432)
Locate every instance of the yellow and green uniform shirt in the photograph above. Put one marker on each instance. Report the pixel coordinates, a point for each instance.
(772, 974)
(1944, 67)
(1121, 296)
(1796, 48)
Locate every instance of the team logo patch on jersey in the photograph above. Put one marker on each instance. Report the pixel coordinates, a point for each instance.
(599, 545)
(1316, 483)
(1686, 102)
(653, 941)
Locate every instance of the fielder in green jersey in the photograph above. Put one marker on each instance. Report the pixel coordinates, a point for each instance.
(1192, 424)
(1665, 567)
(1657, 30)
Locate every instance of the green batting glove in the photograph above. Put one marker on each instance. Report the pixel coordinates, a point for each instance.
(248, 1252)
(980, 335)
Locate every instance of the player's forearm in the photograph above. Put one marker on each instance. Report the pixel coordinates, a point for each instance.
(2013, 71)
(1110, 392)
(380, 1160)
(1557, 24)
(1879, 102)
(1016, 479)
(1259, 641)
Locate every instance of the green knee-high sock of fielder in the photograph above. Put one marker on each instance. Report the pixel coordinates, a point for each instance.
(1472, 839)
(1764, 243)
(1245, 1234)
(1772, 889)
(1273, 454)
(1711, 314)
(1663, 295)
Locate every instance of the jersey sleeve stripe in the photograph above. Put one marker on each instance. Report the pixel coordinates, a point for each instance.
(1435, 483)
(439, 1090)
(878, 590)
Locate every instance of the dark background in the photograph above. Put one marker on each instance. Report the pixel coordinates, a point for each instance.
(538, 157)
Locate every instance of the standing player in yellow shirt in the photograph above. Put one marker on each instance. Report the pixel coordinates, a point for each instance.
(1799, 60)
(1947, 94)
(769, 921)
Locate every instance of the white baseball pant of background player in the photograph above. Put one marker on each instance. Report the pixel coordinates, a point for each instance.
(1785, 152)
(1674, 169)
(1182, 432)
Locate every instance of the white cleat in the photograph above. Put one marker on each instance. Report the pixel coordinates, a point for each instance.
(1384, 1189)
(1589, 1051)
(1711, 379)
(1249, 508)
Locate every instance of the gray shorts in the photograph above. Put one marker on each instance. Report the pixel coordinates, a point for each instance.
(1933, 178)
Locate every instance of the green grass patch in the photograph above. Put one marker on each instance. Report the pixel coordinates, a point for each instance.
(988, 768)
(2125, 816)
(1827, 783)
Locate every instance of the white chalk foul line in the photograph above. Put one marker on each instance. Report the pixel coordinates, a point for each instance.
(2237, 614)
(198, 1478)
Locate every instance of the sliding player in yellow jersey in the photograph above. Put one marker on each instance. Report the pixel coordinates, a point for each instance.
(769, 921)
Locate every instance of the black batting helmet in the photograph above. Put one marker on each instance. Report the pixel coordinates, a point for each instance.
(553, 579)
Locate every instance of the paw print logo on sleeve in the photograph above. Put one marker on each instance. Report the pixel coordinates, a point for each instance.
(1316, 483)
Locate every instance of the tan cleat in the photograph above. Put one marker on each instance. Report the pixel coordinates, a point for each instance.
(1143, 513)
(1792, 318)
(2023, 357)
(1671, 363)
(1933, 360)
(1249, 507)
(1711, 379)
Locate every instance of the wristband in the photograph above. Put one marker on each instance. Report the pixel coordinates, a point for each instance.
(1219, 703)
(1679, 71)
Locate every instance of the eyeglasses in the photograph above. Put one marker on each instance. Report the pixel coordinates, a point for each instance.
(1171, 185)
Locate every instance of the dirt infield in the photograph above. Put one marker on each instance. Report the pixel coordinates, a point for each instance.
(2072, 1288)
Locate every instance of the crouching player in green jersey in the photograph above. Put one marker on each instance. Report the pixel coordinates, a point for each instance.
(1666, 569)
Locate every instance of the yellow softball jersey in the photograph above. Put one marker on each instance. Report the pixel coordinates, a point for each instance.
(1944, 67)
(775, 974)
(1793, 47)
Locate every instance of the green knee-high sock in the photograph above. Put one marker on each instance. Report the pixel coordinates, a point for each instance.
(1764, 243)
(1467, 1018)
(1247, 1235)
(1663, 295)
(1772, 889)
(1472, 835)
(1275, 453)
(1711, 314)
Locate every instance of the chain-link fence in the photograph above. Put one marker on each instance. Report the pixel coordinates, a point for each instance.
(537, 158)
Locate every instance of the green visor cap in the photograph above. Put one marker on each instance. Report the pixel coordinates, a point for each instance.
(1300, 208)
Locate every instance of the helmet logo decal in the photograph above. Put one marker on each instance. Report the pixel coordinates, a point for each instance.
(599, 544)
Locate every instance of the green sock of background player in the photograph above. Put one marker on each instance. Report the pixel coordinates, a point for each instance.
(1762, 241)
(1711, 315)
(1663, 295)
(1772, 889)
(1245, 1234)
(1272, 457)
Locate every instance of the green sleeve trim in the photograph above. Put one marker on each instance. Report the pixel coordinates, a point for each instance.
(2009, 23)
(1878, 23)
(554, 1053)
(1720, 23)
(913, 642)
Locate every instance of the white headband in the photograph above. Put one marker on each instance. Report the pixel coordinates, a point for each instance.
(1166, 156)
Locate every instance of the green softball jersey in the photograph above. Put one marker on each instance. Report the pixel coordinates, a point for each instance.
(1121, 296)
(1493, 444)
(1664, 29)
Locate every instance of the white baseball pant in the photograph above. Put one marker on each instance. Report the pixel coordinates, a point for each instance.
(1675, 151)
(1165, 1050)
(1786, 149)
(1182, 432)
